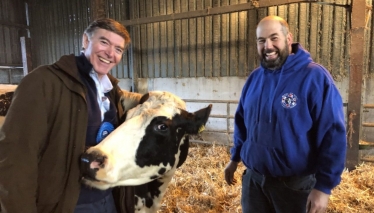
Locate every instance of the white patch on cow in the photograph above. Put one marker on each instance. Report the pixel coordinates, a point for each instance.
(139, 206)
(120, 146)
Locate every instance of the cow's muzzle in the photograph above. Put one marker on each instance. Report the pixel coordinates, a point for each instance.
(90, 163)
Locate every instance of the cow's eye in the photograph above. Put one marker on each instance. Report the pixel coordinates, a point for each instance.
(162, 127)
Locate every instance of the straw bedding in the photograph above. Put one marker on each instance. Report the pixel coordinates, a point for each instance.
(198, 186)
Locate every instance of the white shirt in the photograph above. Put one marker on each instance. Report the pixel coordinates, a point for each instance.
(103, 86)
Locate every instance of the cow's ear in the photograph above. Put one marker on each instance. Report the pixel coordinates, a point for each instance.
(130, 100)
(198, 121)
(144, 98)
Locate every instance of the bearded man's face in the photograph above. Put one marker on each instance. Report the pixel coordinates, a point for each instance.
(273, 44)
(274, 57)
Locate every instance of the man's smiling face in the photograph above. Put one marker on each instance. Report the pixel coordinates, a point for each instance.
(104, 49)
(273, 45)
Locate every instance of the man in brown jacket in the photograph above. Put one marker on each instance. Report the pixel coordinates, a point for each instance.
(57, 110)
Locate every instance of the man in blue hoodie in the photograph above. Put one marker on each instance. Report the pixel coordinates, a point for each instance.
(289, 128)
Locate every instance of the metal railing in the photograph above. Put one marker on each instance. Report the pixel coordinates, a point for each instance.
(9, 68)
(367, 146)
(227, 117)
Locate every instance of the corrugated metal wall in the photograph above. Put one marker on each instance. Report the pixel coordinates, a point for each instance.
(224, 45)
(57, 27)
(12, 27)
(211, 46)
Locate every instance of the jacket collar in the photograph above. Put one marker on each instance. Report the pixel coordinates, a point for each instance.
(71, 64)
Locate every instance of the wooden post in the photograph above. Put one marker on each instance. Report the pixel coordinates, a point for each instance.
(26, 55)
(358, 18)
(98, 9)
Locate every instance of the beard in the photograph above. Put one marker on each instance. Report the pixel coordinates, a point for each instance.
(277, 63)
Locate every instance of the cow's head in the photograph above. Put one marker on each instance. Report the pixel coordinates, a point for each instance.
(149, 145)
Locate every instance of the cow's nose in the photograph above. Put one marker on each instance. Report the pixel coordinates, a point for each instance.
(90, 163)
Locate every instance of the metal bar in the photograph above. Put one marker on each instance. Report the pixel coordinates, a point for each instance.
(218, 131)
(10, 76)
(368, 124)
(228, 117)
(203, 142)
(212, 11)
(26, 55)
(367, 160)
(10, 66)
(357, 33)
(211, 101)
(221, 116)
(370, 106)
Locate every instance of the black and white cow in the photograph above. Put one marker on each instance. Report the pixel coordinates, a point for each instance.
(146, 149)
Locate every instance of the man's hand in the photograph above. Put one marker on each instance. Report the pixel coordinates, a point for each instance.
(317, 202)
(229, 172)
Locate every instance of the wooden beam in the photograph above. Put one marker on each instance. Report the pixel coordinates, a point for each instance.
(98, 9)
(357, 46)
(212, 11)
(368, 124)
(26, 55)
(370, 106)
(11, 24)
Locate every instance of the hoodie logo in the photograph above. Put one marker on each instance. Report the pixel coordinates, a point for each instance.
(289, 100)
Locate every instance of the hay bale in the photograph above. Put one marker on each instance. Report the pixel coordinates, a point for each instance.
(198, 186)
(355, 193)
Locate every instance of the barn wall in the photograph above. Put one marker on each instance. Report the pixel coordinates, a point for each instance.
(57, 27)
(213, 47)
(205, 58)
(12, 26)
(224, 45)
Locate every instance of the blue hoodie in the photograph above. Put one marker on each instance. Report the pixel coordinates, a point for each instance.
(291, 122)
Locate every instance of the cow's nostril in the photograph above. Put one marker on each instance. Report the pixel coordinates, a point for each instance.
(93, 160)
(98, 162)
(90, 163)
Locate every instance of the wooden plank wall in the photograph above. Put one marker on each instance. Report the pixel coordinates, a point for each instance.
(224, 45)
(210, 46)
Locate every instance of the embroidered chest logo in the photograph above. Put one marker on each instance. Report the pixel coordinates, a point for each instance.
(289, 100)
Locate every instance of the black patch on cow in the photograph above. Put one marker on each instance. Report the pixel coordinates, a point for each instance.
(191, 122)
(137, 201)
(160, 143)
(148, 191)
(184, 151)
(163, 136)
(161, 171)
(154, 177)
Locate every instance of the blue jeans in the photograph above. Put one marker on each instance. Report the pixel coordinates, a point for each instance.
(105, 205)
(263, 194)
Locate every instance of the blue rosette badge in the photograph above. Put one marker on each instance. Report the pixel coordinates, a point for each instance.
(104, 130)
